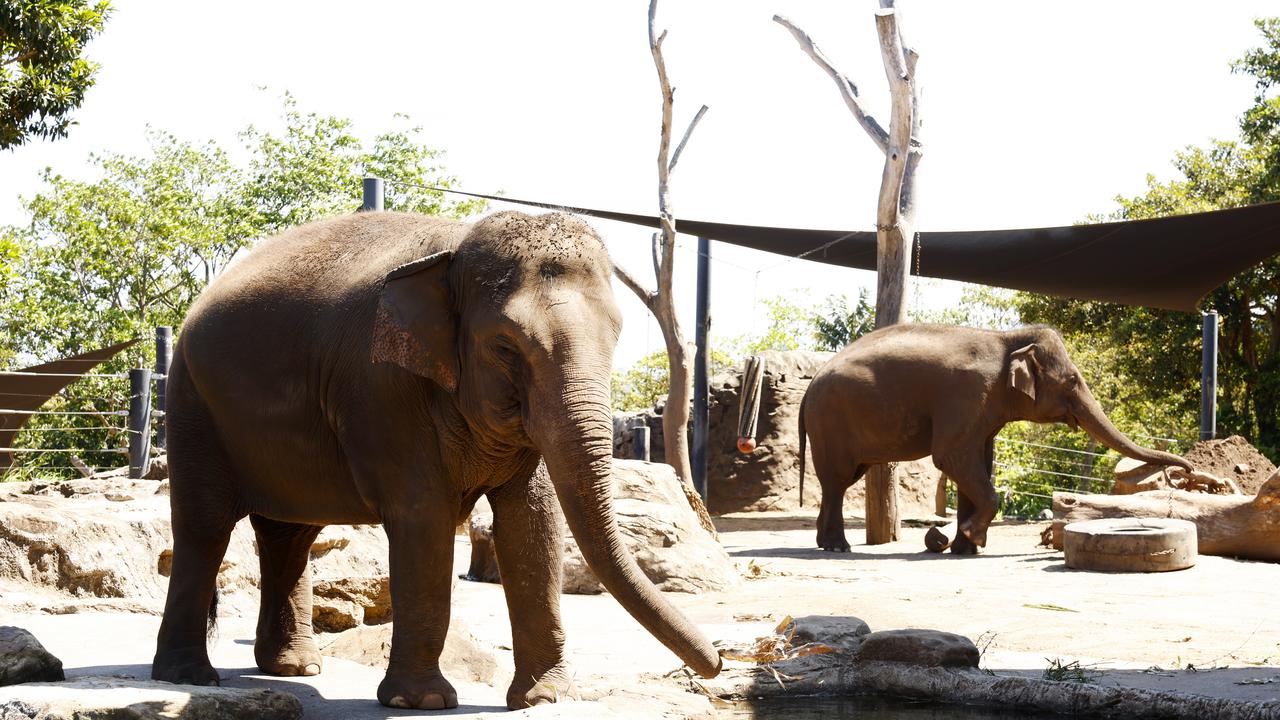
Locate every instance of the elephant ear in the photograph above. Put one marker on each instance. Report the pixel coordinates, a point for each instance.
(415, 326)
(1022, 370)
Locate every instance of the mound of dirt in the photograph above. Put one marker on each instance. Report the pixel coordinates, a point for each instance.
(1232, 457)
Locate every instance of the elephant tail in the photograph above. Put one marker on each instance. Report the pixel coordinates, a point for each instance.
(802, 444)
(212, 627)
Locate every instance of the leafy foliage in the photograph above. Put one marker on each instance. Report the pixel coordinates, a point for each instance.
(43, 76)
(109, 259)
(1156, 351)
(645, 384)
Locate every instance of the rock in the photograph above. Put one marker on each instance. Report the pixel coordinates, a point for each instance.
(462, 659)
(930, 648)
(105, 698)
(23, 659)
(843, 632)
(768, 477)
(663, 533)
(77, 544)
(343, 603)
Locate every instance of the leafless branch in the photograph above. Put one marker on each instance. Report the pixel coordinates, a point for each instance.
(675, 157)
(895, 69)
(644, 294)
(848, 90)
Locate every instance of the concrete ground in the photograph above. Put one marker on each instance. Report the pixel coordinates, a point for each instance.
(1211, 629)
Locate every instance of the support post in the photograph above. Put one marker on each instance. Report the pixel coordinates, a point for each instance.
(1209, 376)
(372, 195)
(164, 357)
(139, 422)
(701, 408)
(640, 443)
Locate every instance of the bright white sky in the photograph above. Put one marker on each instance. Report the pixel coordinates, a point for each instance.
(1036, 113)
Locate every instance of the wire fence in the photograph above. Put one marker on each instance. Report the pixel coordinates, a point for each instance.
(27, 449)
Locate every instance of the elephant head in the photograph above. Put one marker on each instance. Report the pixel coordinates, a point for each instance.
(518, 322)
(1048, 387)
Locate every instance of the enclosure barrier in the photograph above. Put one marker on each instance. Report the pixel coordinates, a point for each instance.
(144, 408)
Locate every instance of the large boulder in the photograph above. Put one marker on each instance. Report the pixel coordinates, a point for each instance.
(930, 648)
(107, 698)
(23, 659)
(768, 478)
(463, 657)
(69, 543)
(660, 528)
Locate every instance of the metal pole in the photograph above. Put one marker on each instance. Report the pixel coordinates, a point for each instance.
(164, 357)
(640, 443)
(372, 195)
(139, 422)
(1209, 376)
(700, 405)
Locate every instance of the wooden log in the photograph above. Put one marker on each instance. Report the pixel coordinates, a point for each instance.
(940, 538)
(1244, 526)
(940, 496)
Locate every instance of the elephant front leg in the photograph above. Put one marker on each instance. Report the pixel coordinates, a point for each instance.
(421, 538)
(529, 541)
(976, 502)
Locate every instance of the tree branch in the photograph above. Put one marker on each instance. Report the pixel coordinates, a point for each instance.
(644, 294)
(666, 217)
(675, 157)
(895, 165)
(848, 90)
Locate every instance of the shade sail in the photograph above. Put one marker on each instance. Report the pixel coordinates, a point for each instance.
(29, 392)
(1168, 263)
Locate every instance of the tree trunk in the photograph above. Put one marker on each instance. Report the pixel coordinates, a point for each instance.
(1241, 526)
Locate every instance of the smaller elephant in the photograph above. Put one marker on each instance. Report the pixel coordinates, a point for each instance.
(903, 392)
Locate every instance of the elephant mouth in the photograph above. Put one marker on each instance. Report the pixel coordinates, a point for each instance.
(1071, 421)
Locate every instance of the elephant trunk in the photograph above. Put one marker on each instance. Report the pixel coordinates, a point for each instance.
(1095, 422)
(575, 434)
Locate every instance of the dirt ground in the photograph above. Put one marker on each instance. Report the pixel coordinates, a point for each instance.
(1205, 630)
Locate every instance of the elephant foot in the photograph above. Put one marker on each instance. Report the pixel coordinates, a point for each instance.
(834, 542)
(423, 691)
(550, 686)
(289, 657)
(184, 667)
(963, 545)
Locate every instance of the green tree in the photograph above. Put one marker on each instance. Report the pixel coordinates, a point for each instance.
(43, 74)
(109, 259)
(835, 324)
(643, 385)
(1158, 351)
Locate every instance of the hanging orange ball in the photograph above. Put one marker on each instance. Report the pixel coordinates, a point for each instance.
(746, 445)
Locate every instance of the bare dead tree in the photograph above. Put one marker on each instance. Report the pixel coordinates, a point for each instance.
(661, 301)
(895, 216)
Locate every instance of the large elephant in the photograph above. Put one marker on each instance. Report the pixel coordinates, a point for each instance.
(392, 368)
(907, 391)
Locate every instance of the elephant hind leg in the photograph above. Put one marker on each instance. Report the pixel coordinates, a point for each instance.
(284, 643)
(977, 501)
(835, 475)
(204, 507)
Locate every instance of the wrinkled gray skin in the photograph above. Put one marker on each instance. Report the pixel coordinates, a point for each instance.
(907, 391)
(390, 368)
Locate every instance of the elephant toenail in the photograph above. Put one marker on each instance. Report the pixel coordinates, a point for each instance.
(399, 702)
(311, 669)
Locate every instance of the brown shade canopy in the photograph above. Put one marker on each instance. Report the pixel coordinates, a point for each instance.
(29, 392)
(1168, 263)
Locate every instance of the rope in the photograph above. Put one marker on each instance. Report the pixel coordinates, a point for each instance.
(1048, 472)
(1052, 447)
(103, 413)
(43, 450)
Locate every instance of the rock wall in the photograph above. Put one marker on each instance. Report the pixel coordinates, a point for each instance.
(768, 478)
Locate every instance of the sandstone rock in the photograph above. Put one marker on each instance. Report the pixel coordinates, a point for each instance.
(462, 659)
(930, 648)
(344, 603)
(23, 659)
(78, 544)
(768, 477)
(661, 530)
(104, 698)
